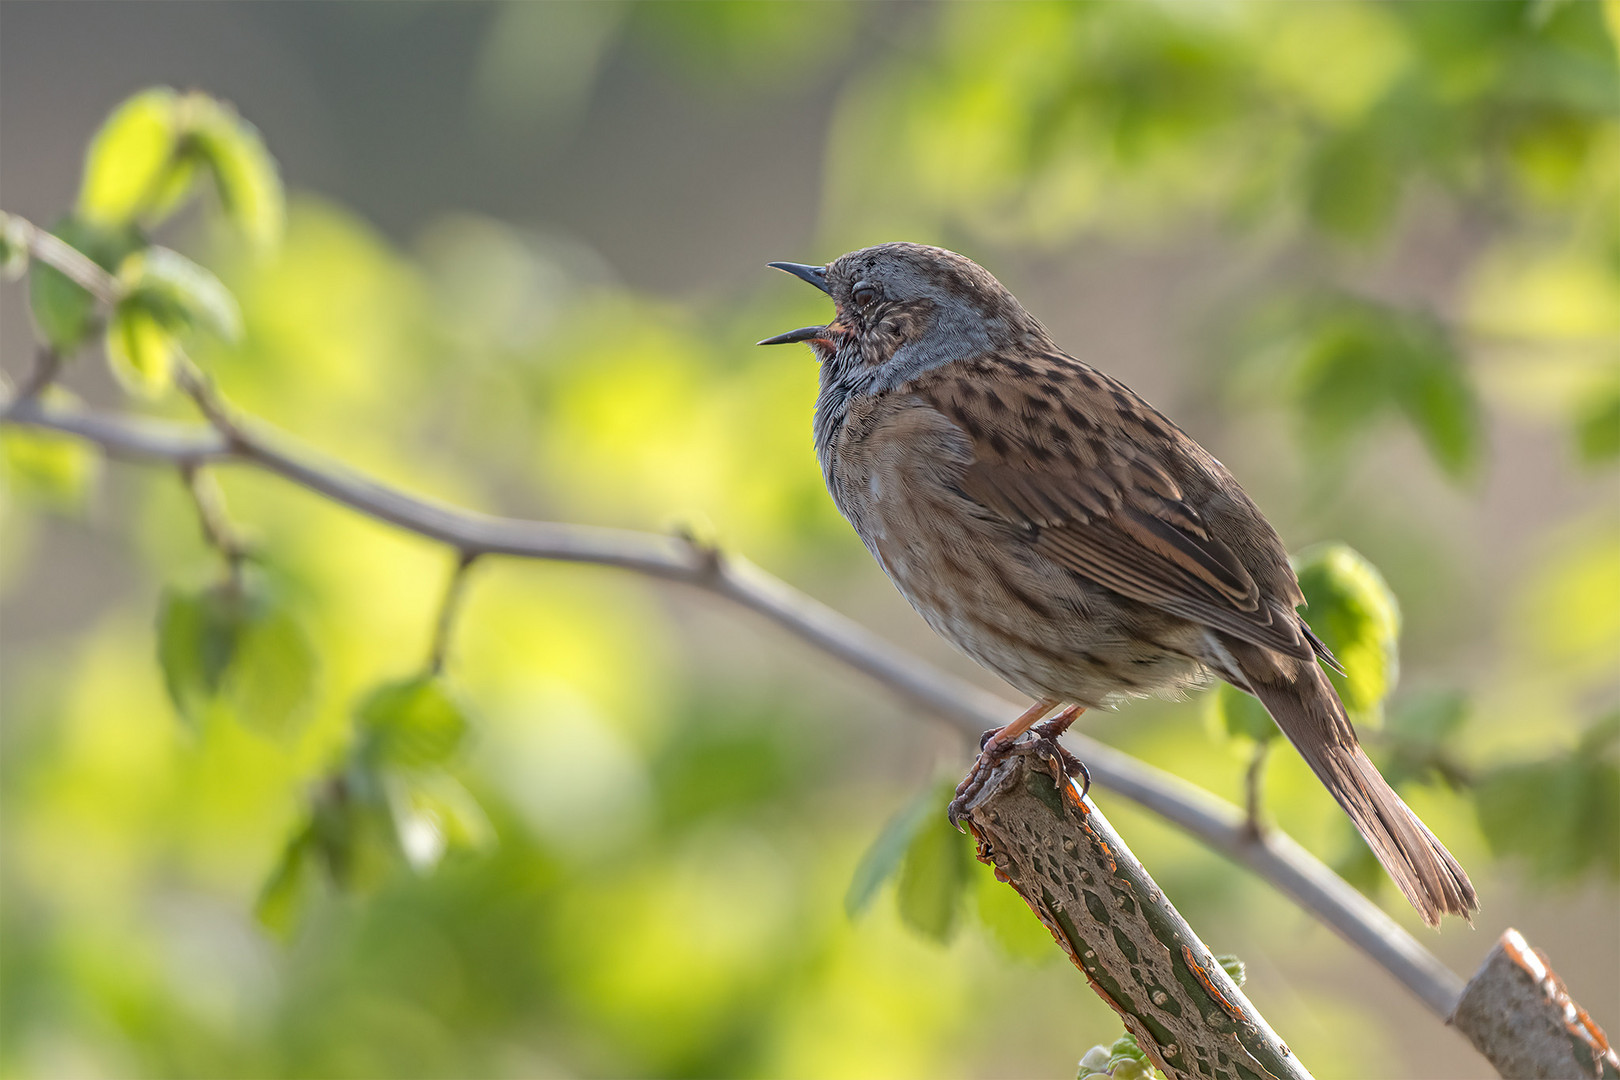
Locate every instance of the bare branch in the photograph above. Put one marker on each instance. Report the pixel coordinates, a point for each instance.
(1063, 857)
(1517, 1013)
(1216, 823)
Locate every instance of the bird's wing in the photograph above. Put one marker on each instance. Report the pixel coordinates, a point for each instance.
(1084, 469)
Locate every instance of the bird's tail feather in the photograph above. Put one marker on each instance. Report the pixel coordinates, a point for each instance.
(1299, 697)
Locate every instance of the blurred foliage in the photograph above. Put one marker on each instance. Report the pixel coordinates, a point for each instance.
(609, 837)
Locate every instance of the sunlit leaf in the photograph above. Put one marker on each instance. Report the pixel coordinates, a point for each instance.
(1351, 608)
(54, 470)
(933, 878)
(64, 311)
(434, 814)
(286, 891)
(883, 858)
(127, 167)
(244, 173)
(180, 294)
(411, 722)
(141, 349)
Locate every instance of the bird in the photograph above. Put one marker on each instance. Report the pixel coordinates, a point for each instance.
(1063, 533)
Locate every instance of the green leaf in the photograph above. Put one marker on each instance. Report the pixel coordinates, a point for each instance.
(285, 893)
(1560, 816)
(197, 634)
(1351, 608)
(270, 680)
(1360, 360)
(236, 649)
(180, 294)
(55, 470)
(141, 349)
(353, 830)
(1233, 714)
(1124, 1060)
(128, 167)
(1597, 430)
(433, 814)
(1353, 187)
(933, 878)
(883, 858)
(412, 722)
(63, 311)
(1012, 925)
(1234, 968)
(244, 173)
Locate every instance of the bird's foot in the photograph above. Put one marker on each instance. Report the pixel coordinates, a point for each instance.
(991, 752)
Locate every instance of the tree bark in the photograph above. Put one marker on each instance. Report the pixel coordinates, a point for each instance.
(1517, 1013)
(1137, 952)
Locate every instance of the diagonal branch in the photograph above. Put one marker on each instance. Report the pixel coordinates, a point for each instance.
(1218, 824)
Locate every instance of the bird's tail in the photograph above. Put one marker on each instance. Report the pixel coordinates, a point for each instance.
(1299, 697)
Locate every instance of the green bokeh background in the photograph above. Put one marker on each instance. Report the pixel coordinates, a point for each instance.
(1368, 253)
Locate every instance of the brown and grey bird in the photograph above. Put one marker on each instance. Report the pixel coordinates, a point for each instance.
(1062, 532)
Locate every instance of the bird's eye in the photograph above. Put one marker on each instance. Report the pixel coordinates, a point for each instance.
(864, 294)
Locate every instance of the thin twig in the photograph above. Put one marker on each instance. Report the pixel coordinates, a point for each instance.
(1253, 785)
(47, 366)
(1218, 824)
(217, 529)
(449, 607)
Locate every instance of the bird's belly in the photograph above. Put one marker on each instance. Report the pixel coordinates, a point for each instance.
(1034, 623)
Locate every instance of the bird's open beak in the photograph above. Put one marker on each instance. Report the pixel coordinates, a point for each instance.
(803, 333)
(815, 275)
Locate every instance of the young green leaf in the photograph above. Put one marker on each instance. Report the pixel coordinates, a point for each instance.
(1351, 608)
(434, 814)
(286, 891)
(353, 830)
(270, 680)
(127, 168)
(64, 311)
(140, 348)
(179, 293)
(197, 634)
(883, 858)
(933, 878)
(411, 722)
(236, 649)
(54, 470)
(244, 173)
(1124, 1060)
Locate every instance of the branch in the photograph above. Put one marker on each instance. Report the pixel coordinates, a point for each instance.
(1063, 857)
(1218, 824)
(1518, 1014)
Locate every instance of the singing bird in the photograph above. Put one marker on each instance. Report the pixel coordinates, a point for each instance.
(1065, 534)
